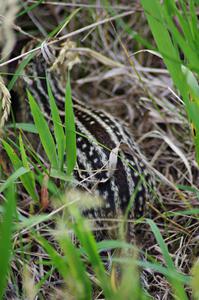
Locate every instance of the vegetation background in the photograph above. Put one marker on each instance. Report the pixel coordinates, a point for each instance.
(138, 61)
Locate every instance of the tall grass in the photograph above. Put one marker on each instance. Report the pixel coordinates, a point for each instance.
(6, 231)
(175, 30)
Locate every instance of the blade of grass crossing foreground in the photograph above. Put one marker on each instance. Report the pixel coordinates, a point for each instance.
(70, 266)
(130, 281)
(193, 20)
(178, 288)
(194, 113)
(87, 240)
(71, 151)
(29, 8)
(193, 108)
(30, 175)
(58, 127)
(153, 11)
(157, 267)
(19, 71)
(187, 24)
(6, 227)
(57, 260)
(195, 280)
(77, 270)
(185, 42)
(24, 126)
(160, 19)
(26, 179)
(56, 31)
(11, 179)
(44, 132)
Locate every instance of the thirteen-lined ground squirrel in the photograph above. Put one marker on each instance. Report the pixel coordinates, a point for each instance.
(100, 133)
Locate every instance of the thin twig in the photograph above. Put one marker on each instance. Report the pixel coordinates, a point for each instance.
(96, 6)
(68, 36)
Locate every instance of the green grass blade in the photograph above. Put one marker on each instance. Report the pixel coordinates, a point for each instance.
(58, 127)
(193, 107)
(77, 269)
(129, 287)
(71, 151)
(195, 280)
(153, 11)
(28, 127)
(64, 23)
(185, 42)
(184, 279)
(6, 228)
(19, 70)
(194, 23)
(30, 175)
(176, 285)
(192, 83)
(87, 240)
(194, 113)
(57, 260)
(162, 244)
(169, 40)
(44, 132)
(17, 163)
(29, 8)
(11, 179)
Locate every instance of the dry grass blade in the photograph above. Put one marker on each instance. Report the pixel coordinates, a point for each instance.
(176, 149)
(29, 284)
(8, 9)
(113, 158)
(98, 56)
(5, 98)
